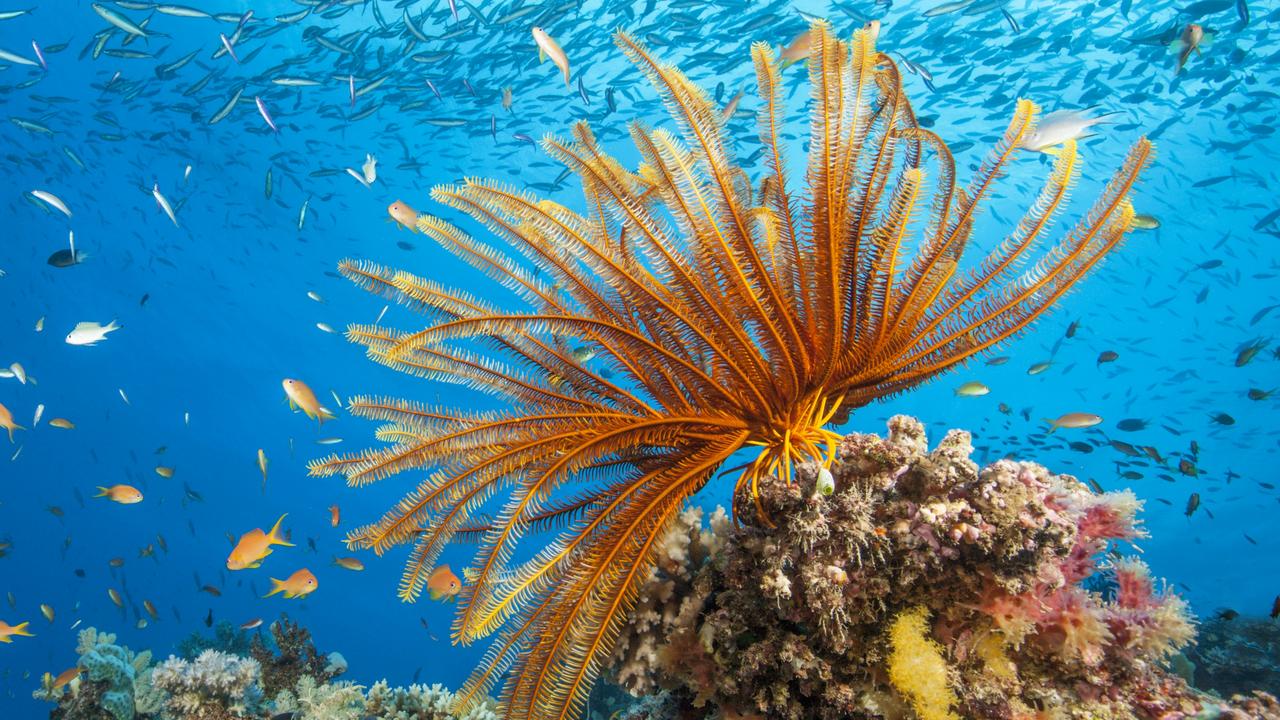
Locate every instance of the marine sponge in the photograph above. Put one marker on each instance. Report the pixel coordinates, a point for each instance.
(917, 668)
(116, 684)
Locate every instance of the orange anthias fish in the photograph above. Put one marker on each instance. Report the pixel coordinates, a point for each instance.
(1190, 40)
(298, 585)
(6, 422)
(335, 516)
(7, 631)
(404, 215)
(443, 584)
(65, 677)
(123, 494)
(254, 546)
(301, 396)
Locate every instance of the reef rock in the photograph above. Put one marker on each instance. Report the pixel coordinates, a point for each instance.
(919, 587)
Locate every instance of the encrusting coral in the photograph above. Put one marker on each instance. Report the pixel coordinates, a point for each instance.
(977, 575)
(690, 312)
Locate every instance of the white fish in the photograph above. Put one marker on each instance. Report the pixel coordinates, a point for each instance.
(325, 327)
(359, 178)
(370, 168)
(18, 59)
(1057, 128)
(186, 175)
(315, 296)
(89, 334)
(163, 203)
(547, 47)
(329, 441)
(384, 312)
(19, 372)
(40, 324)
(186, 418)
(119, 20)
(302, 214)
(39, 414)
(52, 200)
(124, 397)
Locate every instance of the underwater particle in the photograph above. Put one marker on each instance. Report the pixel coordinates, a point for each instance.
(917, 667)
(298, 585)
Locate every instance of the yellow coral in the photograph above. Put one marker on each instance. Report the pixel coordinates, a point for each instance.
(917, 669)
(991, 649)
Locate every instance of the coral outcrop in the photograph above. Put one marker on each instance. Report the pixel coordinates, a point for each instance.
(116, 683)
(219, 685)
(919, 586)
(214, 686)
(1236, 655)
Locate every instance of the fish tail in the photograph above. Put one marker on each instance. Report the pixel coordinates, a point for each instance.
(1052, 424)
(277, 586)
(102, 492)
(21, 629)
(113, 325)
(273, 537)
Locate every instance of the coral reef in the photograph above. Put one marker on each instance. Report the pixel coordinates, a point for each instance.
(790, 622)
(116, 683)
(1237, 656)
(331, 701)
(214, 686)
(288, 657)
(420, 702)
(226, 638)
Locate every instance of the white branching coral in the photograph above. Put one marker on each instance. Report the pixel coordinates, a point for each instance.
(418, 702)
(214, 686)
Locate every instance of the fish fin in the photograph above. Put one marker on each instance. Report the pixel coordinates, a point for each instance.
(542, 55)
(1052, 425)
(277, 586)
(102, 492)
(112, 326)
(435, 594)
(326, 414)
(273, 537)
(1052, 151)
(5, 639)
(21, 629)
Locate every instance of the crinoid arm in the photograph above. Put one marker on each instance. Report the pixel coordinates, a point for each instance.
(689, 314)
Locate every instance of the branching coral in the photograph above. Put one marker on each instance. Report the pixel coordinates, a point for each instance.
(419, 702)
(789, 623)
(214, 686)
(288, 657)
(690, 312)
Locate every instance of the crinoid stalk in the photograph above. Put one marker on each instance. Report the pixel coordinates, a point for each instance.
(686, 313)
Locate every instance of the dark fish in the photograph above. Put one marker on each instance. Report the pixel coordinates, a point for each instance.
(1226, 614)
(1222, 419)
(65, 258)
(1275, 608)
(1193, 502)
(1131, 424)
(145, 298)
(1251, 540)
(1107, 356)
(208, 620)
(1207, 182)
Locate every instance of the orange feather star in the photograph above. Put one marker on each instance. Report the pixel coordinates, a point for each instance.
(686, 314)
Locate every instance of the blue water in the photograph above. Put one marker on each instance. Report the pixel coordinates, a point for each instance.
(227, 315)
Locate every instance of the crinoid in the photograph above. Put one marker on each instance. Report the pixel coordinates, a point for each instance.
(687, 313)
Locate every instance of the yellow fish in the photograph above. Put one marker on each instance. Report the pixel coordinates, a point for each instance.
(62, 424)
(443, 584)
(262, 465)
(164, 471)
(7, 631)
(298, 585)
(1073, 420)
(254, 546)
(349, 563)
(6, 421)
(549, 48)
(64, 677)
(123, 494)
(47, 612)
(335, 515)
(404, 215)
(301, 396)
(115, 597)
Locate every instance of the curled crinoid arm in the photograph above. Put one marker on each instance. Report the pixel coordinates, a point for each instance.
(690, 317)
